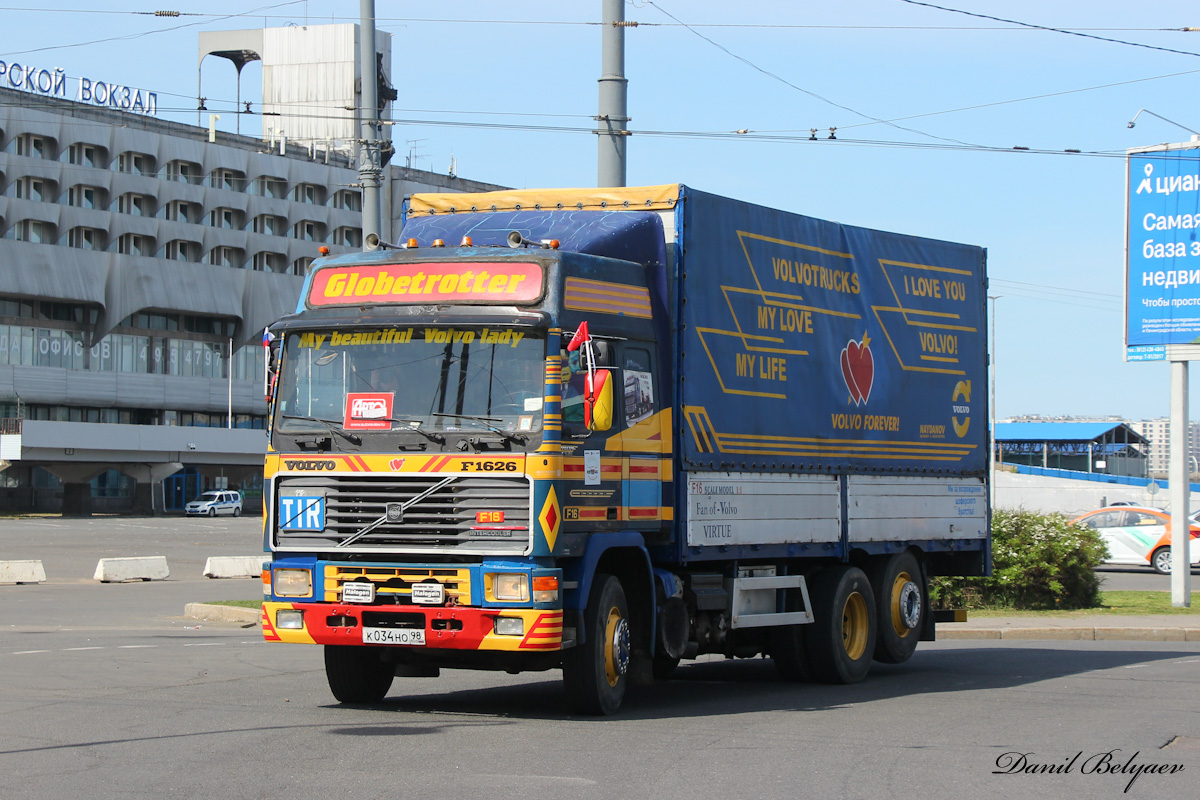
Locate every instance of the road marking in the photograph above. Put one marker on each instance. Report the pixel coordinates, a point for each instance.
(73, 649)
(205, 644)
(29, 652)
(135, 646)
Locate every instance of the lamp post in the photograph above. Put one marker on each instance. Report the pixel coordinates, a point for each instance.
(992, 397)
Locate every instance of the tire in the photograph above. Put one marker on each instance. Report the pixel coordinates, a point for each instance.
(786, 643)
(900, 606)
(595, 672)
(840, 642)
(1160, 559)
(357, 674)
(212, 512)
(237, 511)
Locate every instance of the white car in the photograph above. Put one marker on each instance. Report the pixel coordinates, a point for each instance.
(210, 504)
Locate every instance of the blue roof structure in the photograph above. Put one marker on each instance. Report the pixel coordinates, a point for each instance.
(1066, 432)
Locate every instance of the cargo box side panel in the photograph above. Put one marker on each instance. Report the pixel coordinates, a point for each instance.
(888, 509)
(809, 345)
(727, 509)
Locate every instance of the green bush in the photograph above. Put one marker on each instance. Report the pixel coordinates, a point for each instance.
(1038, 561)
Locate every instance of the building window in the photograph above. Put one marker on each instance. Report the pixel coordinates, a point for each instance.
(180, 211)
(138, 205)
(133, 244)
(308, 193)
(86, 238)
(307, 231)
(183, 172)
(31, 189)
(269, 262)
(84, 197)
(267, 186)
(179, 250)
(270, 225)
(136, 163)
(33, 146)
(35, 231)
(85, 155)
(225, 257)
(224, 218)
(350, 237)
(347, 200)
(227, 179)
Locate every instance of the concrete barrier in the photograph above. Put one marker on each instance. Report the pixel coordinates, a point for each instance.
(233, 567)
(117, 570)
(22, 572)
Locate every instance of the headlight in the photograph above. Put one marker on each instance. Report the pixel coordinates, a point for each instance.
(292, 582)
(510, 586)
(289, 619)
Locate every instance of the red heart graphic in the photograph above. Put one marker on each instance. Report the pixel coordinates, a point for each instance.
(858, 369)
(396, 464)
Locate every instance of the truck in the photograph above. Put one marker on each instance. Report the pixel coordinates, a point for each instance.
(451, 483)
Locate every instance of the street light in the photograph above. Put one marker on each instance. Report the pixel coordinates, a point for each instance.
(992, 396)
(1164, 119)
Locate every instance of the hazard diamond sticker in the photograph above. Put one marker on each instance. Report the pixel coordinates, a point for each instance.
(549, 518)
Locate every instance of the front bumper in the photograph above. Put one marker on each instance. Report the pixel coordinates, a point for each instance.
(446, 627)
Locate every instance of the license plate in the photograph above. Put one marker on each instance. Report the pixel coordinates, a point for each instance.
(408, 636)
(358, 592)
(428, 594)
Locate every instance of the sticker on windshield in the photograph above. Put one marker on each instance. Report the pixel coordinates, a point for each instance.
(368, 411)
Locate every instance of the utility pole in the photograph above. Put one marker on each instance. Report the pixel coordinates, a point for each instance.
(611, 129)
(370, 170)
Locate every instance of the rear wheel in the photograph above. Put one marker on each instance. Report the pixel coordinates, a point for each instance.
(595, 671)
(1161, 561)
(357, 674)
(212, 512)
(237, 511)
(840, 642)
(900, 607)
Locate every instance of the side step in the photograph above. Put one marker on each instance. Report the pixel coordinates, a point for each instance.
(754, 600)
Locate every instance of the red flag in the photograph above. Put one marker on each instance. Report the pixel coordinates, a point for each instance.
(579, 338)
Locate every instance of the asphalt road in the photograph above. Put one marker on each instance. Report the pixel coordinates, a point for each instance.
(108, 693)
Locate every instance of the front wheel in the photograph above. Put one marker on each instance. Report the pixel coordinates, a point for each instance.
(841, 639)
(212, 512)
(1161, 561)
(237, 511)
(595, 671)
(357, 674)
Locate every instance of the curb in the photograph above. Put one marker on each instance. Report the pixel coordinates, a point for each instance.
(217, 613)
(19, 572)
(1087, 634)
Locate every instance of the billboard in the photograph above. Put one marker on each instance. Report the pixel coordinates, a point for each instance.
(1162, 263)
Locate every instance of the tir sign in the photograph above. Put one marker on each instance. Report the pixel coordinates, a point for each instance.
(489, 517)
(368, 411)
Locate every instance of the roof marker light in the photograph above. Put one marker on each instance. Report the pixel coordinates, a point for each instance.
(412, 243)
(438, 243)
(323, 250)
(466, 242)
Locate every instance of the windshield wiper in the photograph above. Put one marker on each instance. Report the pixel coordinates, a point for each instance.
(518, 438)
(332, 425)
(414, 425)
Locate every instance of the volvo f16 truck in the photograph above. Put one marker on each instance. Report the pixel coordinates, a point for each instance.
(606, 430)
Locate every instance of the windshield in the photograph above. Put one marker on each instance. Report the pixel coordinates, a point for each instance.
(425, 380)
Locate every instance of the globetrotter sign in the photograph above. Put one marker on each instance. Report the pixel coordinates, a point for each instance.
(499, 283)
(1162, 275)
(98, 93)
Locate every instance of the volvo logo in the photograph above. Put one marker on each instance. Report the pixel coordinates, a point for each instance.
(309, 465)
(395, 512)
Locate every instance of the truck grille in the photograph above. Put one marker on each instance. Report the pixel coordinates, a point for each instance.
(444, 520)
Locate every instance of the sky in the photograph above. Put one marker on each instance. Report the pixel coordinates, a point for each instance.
(928, 105)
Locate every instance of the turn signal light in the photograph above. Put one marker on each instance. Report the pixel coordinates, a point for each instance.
(545, 588)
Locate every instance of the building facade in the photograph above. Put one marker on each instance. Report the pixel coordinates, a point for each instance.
(1158, 432)
(139, 264)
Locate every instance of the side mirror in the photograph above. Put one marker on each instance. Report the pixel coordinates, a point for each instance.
(598, 401)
